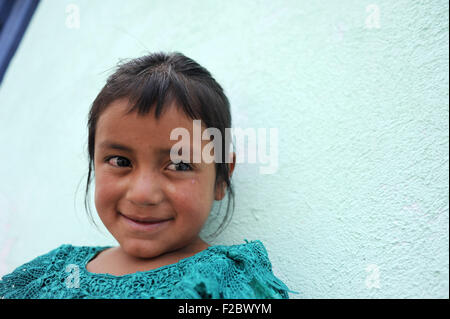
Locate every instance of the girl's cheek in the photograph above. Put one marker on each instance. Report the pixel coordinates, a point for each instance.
(106, 189)
(185, 196)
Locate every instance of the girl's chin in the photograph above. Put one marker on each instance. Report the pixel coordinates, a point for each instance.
(141, 250)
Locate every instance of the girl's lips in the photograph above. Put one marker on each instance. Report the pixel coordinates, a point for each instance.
(144, 226)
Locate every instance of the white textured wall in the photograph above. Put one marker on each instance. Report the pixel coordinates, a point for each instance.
(358, 91)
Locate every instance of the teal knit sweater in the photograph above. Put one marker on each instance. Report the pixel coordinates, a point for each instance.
(228, 272)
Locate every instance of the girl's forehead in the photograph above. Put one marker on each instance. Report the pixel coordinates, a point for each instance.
(117, 115)
(115, 126)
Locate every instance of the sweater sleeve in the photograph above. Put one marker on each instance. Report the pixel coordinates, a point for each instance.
(253, 277)
(234, 274)
(26, 280)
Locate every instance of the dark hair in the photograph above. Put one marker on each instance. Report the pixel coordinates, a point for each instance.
(161, 78)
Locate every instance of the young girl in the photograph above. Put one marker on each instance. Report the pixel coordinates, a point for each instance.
(154, 206)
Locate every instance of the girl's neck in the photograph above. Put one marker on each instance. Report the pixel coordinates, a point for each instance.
(116, 262)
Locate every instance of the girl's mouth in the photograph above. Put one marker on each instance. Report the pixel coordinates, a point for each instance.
(144, 225)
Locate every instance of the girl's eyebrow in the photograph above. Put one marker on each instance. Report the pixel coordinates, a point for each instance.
(118, 146)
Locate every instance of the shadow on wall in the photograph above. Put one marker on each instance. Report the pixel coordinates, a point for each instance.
(14, 18)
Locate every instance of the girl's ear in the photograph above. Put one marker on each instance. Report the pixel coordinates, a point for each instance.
(232, 163)
(220, 191)
(221, 187)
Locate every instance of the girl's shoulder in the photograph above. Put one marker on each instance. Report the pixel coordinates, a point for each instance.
(26, 280)
(231, 272)
(251, 254)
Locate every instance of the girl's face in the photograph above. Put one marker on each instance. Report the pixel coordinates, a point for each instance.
(141, 182)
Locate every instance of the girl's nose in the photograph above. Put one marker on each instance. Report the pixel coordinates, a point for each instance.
(145, 190)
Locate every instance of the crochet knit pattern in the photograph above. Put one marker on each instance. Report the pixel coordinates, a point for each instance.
(218, 272)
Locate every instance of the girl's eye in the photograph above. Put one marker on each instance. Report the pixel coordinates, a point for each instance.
(180, 167)
(119, 160)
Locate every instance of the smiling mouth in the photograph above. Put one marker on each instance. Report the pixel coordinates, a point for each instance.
(147, 227)
(144, 221)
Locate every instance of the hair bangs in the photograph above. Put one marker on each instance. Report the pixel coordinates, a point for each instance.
(159, 90)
